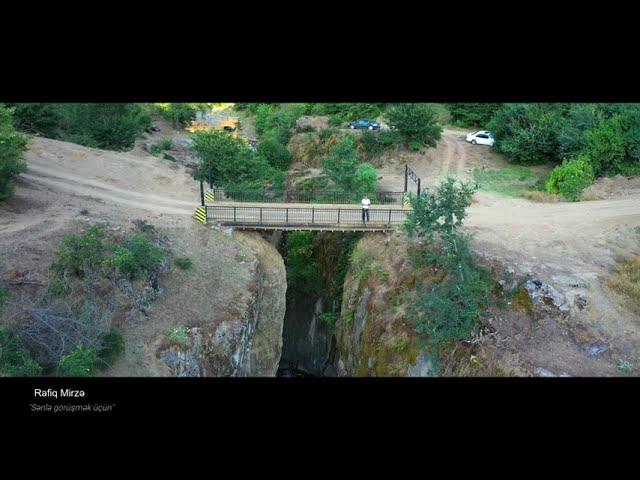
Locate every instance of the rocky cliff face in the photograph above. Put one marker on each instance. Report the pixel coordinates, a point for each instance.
(373, 335)
(247, 341)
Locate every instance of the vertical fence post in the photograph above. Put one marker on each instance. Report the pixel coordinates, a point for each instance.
(287, 217)
(338, 216)
(234, 214)
(260, 214)
(313, 215)
(418, 187)
(406, 176)
(389, 217)
(201, 193)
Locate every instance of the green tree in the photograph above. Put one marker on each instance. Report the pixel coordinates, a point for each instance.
(472, 114)
(220, 155)
(41, 118)
(604, 146)
(113, 126)
(441, 211)
(571, 178)
(528, 133)
(341, 163)
(365, 179)
(416, 122)
(12, 147)
(303, 271)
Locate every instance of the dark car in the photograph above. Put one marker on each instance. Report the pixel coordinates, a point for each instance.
(364, 123)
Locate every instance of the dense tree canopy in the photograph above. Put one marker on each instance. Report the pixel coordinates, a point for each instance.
(12, 147)
(416, 122)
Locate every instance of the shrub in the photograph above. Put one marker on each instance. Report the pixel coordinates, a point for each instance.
(81, 253)
(183, 263)
(303, 272)
(139, 256)
(341, 164)
(12, 147)
(3, 298)
(81, 362)
(416, 122)
(14, 360)
(371, 145)
(58, 286)
(274, 153)
(112, 347)
(329, 319)
(571, 178)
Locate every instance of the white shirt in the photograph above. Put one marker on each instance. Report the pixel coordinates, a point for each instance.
(365, 203)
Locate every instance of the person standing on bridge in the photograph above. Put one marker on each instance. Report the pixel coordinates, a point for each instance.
(365, 208)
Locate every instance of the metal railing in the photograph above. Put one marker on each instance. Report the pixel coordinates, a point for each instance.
(305, 196)
(303, 216)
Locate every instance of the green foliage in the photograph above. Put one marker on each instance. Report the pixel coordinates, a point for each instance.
(81, 362)
(14, 360)
(303, 272)
(40, 118)
(179, 114)
(365, 179)
(94, 250)
(162, 145)
(179, 335)
(571, 178)
(183, 263)
(58, 286)
(112, 347)
(347, 111)
(329, 319)
(12, 147)
(230, 162)
(371, 145)
(417, 123)
(139, 256)
(447, 311)
(472, 114)
(441, 211)
(274, 153)
(113, 126)
(278, 120)
(604, 147)
(528, 133)
(81, 253)
(342, 166)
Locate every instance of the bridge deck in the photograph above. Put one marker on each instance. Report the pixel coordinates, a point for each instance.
(288, 216)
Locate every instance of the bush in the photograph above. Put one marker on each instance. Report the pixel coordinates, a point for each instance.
(81, 253)
(571, 178)
(81, 362)
(14, 360)
(112, 347)
(3, 298)
(139, 256)
(371, 145)
(416, 122)
(274, 153)
(183, 263)
(604, 146)
(303, 272)
(12, 147)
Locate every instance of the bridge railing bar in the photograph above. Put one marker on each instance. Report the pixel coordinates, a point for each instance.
(302, 216)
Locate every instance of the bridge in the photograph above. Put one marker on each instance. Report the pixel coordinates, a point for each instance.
(315, 210)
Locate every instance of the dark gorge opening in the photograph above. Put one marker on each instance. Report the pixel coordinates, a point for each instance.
(317, 264)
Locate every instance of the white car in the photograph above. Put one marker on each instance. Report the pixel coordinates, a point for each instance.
(481, 138)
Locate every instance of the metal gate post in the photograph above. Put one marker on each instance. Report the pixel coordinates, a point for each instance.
(406, 176)
(201, 193)
(418, 187)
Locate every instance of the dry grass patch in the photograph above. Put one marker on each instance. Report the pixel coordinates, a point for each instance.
(540, 197)
(625, 280)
